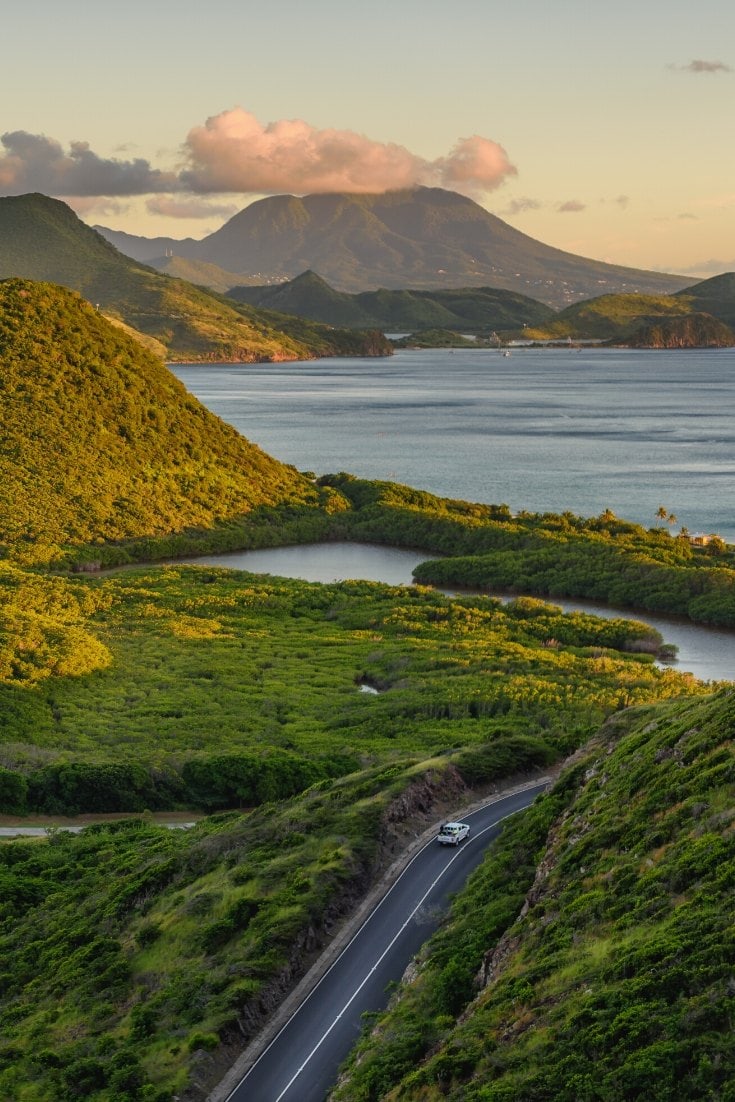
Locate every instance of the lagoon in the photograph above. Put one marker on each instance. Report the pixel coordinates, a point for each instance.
(708, 653)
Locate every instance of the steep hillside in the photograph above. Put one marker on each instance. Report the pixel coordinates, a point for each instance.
(101, 442)
(422, 237)
(591, 957)
(475, 308)
(42, 239)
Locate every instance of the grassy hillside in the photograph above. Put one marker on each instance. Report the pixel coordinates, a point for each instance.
(480, 309)
(42, 239)
(137, 961)
(591, 957)
(100, 442)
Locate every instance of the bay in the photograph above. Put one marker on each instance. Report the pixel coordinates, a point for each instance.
(541, 430)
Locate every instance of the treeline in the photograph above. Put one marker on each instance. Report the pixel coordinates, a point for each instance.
(610, 574)
(599, 558)
(266, 526)
(208, 783)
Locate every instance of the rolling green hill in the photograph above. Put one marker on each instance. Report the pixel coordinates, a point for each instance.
(42, 239)
(100, 442)
(480, 309)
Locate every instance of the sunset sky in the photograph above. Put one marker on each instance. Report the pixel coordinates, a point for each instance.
(603, 129)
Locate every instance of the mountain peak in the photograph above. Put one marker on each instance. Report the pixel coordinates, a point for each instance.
(424, 238)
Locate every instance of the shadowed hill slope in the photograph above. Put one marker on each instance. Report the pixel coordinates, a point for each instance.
(101, 442)
(692, 331)
(714, 296)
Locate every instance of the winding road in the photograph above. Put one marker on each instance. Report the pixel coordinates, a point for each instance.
(301, 1063)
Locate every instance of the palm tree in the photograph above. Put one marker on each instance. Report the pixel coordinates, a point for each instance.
(662, 512)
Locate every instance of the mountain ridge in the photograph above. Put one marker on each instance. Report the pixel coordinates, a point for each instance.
(421, 237)
(308, 295)
(42, 239)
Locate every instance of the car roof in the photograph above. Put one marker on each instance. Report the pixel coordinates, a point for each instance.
(453, 826)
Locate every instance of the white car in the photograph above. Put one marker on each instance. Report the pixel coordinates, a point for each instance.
(451, 834)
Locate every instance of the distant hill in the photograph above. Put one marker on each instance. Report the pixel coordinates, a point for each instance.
(42, 239)
(610, 317)
(196, 271)
(714, 296)
(466, 308)
(421, 237)
(691, 331)
(101, 442)
(617, 317)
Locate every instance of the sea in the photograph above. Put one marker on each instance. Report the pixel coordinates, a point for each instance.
(543, 430)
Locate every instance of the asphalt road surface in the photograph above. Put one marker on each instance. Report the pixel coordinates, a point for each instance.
(301, 1063)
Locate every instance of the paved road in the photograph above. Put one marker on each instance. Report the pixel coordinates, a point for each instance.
(301, 1063)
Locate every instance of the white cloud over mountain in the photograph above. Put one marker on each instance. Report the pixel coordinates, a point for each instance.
(234, 153)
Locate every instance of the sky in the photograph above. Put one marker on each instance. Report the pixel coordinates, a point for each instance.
(605, 129)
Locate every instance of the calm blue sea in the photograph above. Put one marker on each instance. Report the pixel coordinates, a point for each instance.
(543, 430)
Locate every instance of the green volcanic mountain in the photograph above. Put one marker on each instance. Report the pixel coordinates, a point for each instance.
(101, 442)
(475, 308)
(42, 239)
(422, 237)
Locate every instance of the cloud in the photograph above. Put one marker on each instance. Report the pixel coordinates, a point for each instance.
(523, 203)
(171, 207)
(571, 206)
(712, 267)
(698, 65)
(92, 205)
(33, 162)
(234, 152)
(475, 164)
